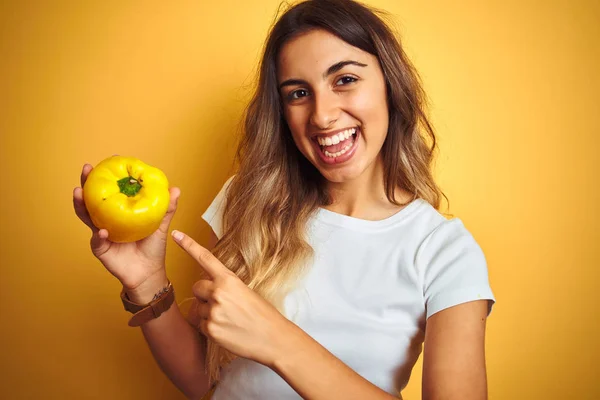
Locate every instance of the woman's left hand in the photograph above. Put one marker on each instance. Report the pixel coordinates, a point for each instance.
(233, 315)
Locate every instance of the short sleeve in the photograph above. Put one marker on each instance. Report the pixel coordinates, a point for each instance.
(453, 268)
(214, 214)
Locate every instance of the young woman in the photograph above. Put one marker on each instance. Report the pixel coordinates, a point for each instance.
(331, 264)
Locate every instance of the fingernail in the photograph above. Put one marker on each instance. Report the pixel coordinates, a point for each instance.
(177, 235)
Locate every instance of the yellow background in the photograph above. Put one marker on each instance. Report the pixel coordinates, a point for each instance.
(514, 90)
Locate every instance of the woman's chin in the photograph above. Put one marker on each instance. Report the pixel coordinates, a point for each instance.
(341, 175)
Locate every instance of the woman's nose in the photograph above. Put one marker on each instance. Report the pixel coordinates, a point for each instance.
(325, 110)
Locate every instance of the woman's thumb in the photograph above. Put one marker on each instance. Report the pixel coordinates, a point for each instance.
(175, 193)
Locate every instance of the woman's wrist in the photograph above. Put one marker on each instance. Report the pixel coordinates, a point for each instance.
(146, 291)
(290, 339)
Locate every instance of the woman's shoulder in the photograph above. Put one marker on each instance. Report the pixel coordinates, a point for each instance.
(439, 230)
(213, 214)
(426, 218)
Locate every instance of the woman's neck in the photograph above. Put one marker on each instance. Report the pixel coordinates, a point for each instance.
(364, 197)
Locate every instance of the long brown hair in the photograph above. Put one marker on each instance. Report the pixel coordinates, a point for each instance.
(276, 190)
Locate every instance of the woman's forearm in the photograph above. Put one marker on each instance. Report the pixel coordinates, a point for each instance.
(178, 349)
(316, 374)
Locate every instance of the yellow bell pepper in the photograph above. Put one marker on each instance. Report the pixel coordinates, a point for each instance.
(126, 197)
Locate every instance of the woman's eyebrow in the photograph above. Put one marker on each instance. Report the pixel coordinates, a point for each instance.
(331, 70)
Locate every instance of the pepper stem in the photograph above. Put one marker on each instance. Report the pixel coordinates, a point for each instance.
(129, 186)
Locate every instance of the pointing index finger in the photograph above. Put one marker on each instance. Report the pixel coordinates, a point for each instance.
(208, 262)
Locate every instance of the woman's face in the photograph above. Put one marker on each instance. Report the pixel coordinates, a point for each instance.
(330, 88)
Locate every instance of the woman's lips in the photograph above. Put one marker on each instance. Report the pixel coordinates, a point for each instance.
(341, 159)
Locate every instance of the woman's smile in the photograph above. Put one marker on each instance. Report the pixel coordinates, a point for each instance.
(335, 151)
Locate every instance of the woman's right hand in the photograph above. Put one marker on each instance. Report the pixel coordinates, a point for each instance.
(139, 266)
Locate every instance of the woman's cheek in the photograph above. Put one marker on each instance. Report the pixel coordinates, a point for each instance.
(371, 109)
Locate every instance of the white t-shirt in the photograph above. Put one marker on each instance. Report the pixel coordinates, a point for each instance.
(369, 292)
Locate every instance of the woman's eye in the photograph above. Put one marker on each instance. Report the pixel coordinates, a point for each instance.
(296, 94)
(299, 93)
(347, 79)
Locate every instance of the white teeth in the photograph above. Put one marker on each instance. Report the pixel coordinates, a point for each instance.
(339, 153)
(335, 139)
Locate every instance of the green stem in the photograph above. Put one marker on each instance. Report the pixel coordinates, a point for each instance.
(129, 186)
